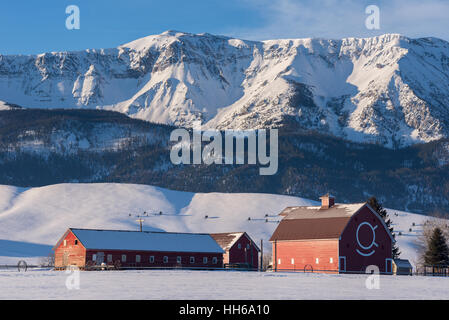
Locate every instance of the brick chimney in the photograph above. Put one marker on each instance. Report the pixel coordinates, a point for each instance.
(327, 201)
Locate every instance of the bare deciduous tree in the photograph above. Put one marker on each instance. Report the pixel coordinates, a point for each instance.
(48, 261)
(437, 219)
(266, 261)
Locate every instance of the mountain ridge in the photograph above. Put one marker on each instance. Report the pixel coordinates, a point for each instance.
(390, 89)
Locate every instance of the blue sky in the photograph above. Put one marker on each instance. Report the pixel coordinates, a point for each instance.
(30, 27)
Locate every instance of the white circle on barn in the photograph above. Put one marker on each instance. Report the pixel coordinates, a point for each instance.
(373, 230)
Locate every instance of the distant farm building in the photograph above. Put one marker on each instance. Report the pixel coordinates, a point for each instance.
(402, 267)
(129, 249)
(332, 238)
(240, 249)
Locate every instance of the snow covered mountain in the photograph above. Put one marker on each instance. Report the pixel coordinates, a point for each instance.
(389, 89)
(42, 215)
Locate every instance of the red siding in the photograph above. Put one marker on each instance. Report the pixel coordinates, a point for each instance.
(355, 244)
(355, 261)
(304, 255)
(244, 254)
(159, 258)
(77, 255)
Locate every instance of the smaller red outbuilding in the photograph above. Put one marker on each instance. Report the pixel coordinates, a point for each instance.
(240, 249)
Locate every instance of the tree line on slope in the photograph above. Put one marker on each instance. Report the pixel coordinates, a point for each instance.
(310, 163)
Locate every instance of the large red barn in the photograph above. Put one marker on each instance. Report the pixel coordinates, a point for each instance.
(332, 238)
(83, 247)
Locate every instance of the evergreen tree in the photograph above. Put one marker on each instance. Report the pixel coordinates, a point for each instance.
(437, 253)
(373, 203)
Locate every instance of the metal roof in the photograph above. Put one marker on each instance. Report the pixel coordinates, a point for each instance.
(146, 241)
(316, 212)
(402, 263)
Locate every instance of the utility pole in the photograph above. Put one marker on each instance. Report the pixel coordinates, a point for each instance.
(275, 256)
(140, 220)
(145, 214)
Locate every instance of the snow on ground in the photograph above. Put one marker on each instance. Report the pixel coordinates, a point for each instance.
(42, 215)
(202, 285)
(4, 106)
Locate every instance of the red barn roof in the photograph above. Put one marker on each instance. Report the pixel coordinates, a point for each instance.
(315, 222)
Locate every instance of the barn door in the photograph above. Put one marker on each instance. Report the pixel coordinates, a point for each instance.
(342, 264)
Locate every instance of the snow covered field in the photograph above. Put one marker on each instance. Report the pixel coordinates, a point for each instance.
(33, 219)
(211, 285)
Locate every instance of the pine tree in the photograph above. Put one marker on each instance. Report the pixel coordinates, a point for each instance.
(437, 253)
(373, 203)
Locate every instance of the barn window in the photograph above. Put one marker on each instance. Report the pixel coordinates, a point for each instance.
(109, 257)
(76, 242)
(151, 259)
(178, 259)
(293, 261)
(239, 246)
(204, 260)
(331, 260)
(165, 259)
(65, 243)
(137, 258)
(214, 260)
(192, 259)
(317, 260)
(123, 257)
(279, 261)
(94, 257)
(247, 246)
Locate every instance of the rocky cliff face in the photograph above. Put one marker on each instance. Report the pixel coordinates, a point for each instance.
(390, 89)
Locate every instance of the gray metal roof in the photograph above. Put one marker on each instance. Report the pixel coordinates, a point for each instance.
(146, 241)
(402, 263)
(315, 212)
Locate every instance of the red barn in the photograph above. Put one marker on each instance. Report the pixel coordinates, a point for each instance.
(239, 249)
(85, 247)
(332, 238)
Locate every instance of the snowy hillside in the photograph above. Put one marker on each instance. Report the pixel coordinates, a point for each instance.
(41, 215)
(388, 89)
